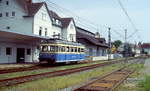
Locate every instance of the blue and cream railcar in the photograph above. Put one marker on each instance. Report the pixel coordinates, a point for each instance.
(58, 51)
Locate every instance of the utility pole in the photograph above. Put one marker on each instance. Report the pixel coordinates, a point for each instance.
(125, 45)
(109, 43)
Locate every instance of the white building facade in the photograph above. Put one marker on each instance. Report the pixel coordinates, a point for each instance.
(24, 24)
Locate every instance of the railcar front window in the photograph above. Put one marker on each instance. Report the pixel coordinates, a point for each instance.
(44, 48)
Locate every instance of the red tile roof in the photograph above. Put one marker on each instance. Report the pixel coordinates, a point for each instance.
(34, 7)
(29, 7)
(54, 15)
(145, 45)
(91, 39)
(66, 22)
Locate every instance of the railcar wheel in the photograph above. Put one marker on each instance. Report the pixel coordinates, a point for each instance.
(51, 62)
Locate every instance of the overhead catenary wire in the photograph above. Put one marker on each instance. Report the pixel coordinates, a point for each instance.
(130, 20)
(79, 20)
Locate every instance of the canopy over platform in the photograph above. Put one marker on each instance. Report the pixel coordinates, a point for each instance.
(13, 37)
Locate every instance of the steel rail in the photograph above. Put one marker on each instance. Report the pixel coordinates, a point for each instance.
(28, 78)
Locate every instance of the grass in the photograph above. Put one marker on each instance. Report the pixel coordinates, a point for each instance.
(24, 73)
(133, 86)
(145, 84)
(53, 84)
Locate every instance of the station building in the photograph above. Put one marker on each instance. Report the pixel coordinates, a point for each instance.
(95, 45)
(23, 24)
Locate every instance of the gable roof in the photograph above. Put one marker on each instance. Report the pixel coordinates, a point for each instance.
(145, 45)
(30, 8)
(54, 14)
(91, 39)
(84, 30)
(34, 7)
(66, 22)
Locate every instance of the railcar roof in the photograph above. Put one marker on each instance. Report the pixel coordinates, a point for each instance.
(53, 41)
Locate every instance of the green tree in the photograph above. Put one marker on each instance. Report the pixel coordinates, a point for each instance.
(117, 43)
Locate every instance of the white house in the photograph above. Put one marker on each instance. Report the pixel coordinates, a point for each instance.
(23, 24)
(145, 48)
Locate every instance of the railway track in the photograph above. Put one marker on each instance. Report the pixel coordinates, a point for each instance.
(108, 82)
(20, 69)
(23, 79)
(36, 67)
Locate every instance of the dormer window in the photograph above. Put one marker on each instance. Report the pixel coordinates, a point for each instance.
(7, 2)
(53, 20)
(57, 21)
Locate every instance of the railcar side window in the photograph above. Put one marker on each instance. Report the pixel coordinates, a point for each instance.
(52, 49)
(78, 49)
(62, 49)
(72, 49)
(82, 50)
(67, 49)
(56, 48)
(49, 48)
(75, 49)
(59, 48)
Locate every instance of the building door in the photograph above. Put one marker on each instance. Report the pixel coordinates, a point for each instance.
(20, 55)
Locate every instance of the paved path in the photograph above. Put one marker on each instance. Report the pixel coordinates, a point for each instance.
(146, 69)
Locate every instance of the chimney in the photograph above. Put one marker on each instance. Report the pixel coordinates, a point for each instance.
(97, 35)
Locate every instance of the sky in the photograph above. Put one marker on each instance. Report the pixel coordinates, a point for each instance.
(108, 13)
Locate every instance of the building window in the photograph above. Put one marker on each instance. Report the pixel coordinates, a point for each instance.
(28, 51)
(72, 37)
(8, 51)
(71, 26)
(7, 14)
(7, 27)
(40, 31)
(43, 16)
(7, 2)
(45, 31)
(1, 14)
(13, 13)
